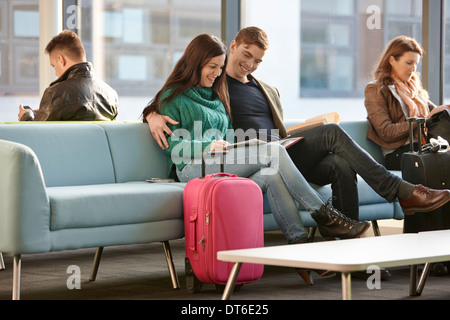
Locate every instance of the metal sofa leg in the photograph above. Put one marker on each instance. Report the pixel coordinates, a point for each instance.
(97, 258)
(2, 263)
(17, 269)
(376, 228)
(170, 265)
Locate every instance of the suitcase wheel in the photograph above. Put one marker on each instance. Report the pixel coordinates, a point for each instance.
(193, 285)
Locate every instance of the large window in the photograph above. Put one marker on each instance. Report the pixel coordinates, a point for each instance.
(136, 44)
(133, 45)
(326, 59)
(19, 56)
(328, 39)
(19, 46)
(321, 57)
(340, 40)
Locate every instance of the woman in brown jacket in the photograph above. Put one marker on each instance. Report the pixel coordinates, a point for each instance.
(395, 95)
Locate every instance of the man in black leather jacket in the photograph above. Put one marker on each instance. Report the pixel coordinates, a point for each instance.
(77, 94)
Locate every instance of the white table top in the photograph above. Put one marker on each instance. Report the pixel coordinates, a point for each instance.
(351, 255)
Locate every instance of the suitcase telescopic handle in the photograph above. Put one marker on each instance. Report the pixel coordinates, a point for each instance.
(411, 134)
(420, 122)
(218, 175)
(213, 154)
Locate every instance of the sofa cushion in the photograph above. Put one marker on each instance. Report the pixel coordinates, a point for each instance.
(148, 160)
(358, 131)
(113, 204)
(72, 155)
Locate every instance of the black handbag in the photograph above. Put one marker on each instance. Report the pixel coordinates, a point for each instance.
(438, 126)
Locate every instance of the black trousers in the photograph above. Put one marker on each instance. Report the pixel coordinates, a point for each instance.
(329, 155)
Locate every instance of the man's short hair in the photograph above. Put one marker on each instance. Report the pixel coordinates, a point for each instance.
(69, 43)
(253, 35)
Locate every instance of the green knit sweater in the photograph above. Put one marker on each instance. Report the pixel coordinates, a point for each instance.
(202, 119)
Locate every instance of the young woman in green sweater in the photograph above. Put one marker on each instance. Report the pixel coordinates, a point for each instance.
(196, 97)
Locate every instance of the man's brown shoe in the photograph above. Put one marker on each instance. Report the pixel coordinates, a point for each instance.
(424, 199)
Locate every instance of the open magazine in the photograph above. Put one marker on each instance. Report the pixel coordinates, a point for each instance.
(327, 118)
(286, 142)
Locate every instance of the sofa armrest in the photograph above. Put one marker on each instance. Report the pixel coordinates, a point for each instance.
(24, 205)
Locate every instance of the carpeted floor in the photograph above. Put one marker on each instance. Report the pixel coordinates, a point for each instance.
(140, 273)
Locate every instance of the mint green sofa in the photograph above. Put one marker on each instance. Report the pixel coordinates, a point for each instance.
(72, 186)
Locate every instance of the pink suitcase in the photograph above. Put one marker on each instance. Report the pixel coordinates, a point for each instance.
(221, 212)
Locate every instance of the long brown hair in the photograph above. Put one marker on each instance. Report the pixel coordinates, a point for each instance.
(397, 48)
(187, 72)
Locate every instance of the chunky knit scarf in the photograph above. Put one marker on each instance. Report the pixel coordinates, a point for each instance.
(410, 94)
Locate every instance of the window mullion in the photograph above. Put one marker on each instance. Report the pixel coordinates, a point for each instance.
(433, 43)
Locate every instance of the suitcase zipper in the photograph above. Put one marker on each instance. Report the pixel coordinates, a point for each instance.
(207, 233)
(202, 241)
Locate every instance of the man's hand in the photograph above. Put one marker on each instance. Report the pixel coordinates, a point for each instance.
(158, 127)
(23, 111)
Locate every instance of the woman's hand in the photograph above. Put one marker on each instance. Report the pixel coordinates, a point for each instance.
(217, 146)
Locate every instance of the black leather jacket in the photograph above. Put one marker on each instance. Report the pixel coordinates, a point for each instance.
(77, 96)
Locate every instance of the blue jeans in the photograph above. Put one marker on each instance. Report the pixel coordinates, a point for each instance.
(273, 170)
(329, 155)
